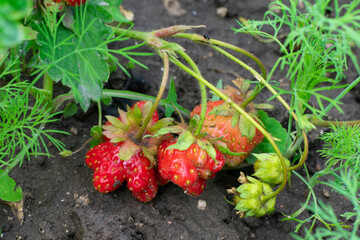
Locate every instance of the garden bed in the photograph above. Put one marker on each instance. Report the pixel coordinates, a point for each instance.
(60, 201)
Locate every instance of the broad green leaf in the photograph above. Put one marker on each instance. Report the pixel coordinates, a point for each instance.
(8, 189)
(77, 59)
(274, 127)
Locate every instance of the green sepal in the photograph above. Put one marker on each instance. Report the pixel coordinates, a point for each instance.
(222, 110)
(225, 150)
(116, 122)
(247, 129)
(219, 85)
(146, 108)
(127, 150)
(117, 139)
(208, 147)
(184, 141)
(8, 189)
(235, 119)
(138, 116)
(245, 85)
(148, 155)
(193, 122)
(164, 122)
(165, 130)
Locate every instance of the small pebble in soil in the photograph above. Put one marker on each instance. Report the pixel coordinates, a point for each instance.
(222, 11)
(74, 131)
(201, 204)
(326, 192)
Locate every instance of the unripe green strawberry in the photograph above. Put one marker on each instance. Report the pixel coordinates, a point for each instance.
(251, 195)
(269, 169)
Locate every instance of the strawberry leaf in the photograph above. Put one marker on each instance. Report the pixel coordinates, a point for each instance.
(183, 142)
(8, 189)
(274, 127)
(77, 56)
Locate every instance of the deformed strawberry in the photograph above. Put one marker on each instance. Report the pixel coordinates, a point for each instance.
(222, 121)
(197, 188)
(103, 152)
(139, 172)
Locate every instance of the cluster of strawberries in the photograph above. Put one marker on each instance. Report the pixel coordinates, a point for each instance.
(186, 160)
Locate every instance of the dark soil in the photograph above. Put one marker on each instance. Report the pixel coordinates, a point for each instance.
(61, 203)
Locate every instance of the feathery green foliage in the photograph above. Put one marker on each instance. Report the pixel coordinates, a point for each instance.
(315, 47)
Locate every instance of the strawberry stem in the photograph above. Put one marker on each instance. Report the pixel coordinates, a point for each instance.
(202, 91)
(165, 77)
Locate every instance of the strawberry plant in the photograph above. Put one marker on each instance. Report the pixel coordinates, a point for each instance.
(67, 43)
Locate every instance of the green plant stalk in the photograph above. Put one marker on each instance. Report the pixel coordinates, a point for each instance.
(213, 42)
(199, 39)
(342, 94)
(165, 77)
(244, 113)
(59, 100)
(262, 80)
(99, 113)
(202, 91)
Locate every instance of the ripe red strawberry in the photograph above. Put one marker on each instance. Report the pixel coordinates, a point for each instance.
(101, 153)
(197, 188)
(109, 176)
(148, 193)
(206, 166)
(139, 172)
(74, 3)
(219, 126)
(109, 170)
(186, 167)
(175, 166)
